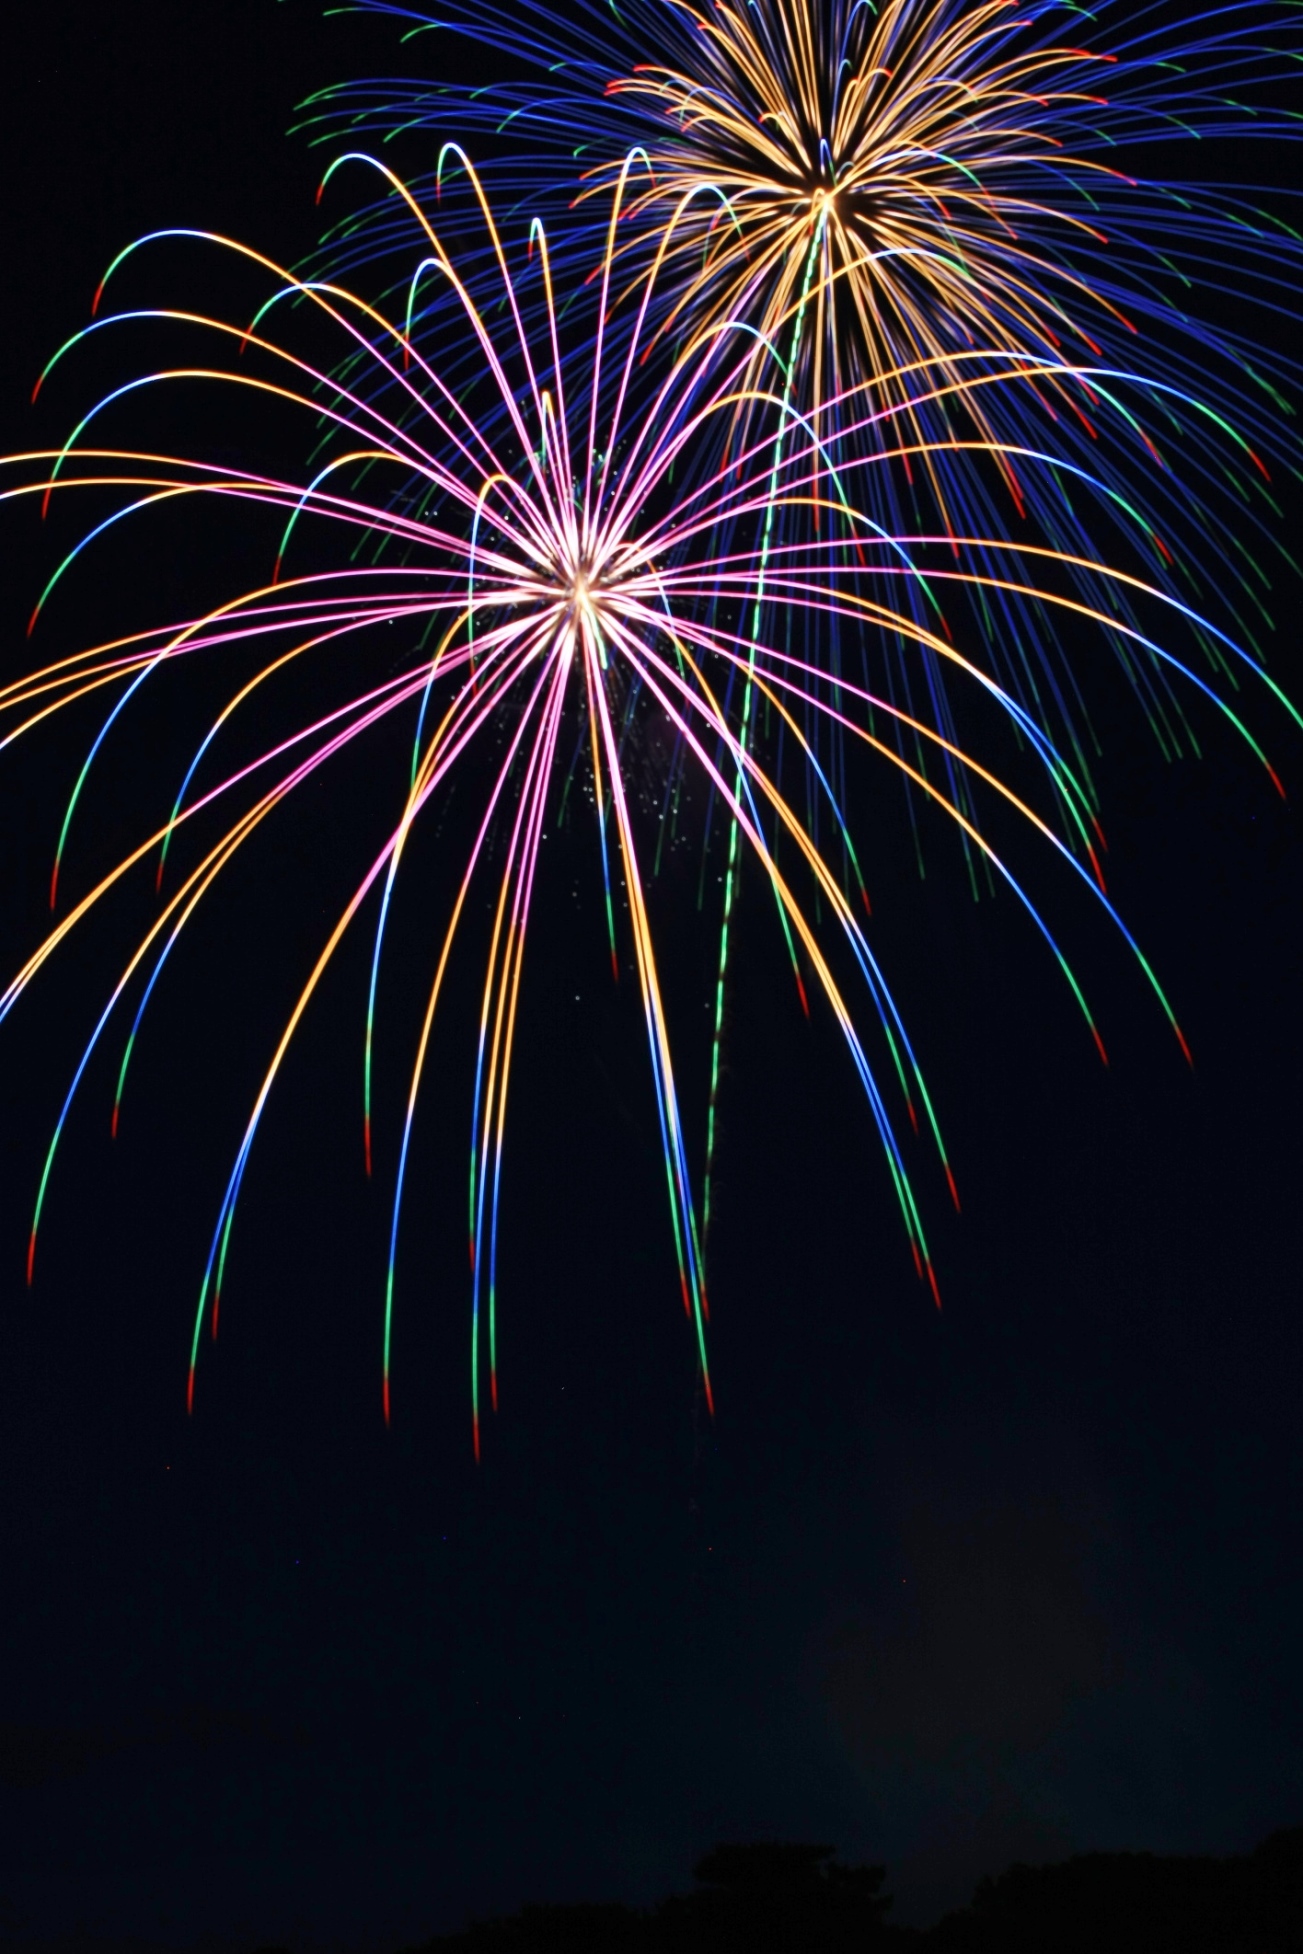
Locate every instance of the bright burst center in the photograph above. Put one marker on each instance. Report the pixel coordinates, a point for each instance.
(581, 589)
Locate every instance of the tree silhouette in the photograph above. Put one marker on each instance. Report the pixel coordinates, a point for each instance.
(770, 1897)
(775, 1897)
(1137, 1900)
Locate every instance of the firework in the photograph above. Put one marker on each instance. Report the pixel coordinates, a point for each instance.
(550, 581)
(888, 192)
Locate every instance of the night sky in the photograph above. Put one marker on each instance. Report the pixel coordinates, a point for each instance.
(1013, 1581)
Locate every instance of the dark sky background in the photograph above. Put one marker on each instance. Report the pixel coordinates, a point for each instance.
(1014, 1581)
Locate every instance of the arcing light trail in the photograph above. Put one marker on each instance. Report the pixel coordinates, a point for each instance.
(533, 532)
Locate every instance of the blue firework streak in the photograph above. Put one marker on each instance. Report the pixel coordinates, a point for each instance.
(879, 189)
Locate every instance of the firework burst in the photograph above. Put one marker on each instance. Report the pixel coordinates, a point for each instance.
(883, 193)
(528, 543)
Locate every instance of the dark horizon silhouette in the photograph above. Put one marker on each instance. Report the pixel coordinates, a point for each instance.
(787, 1897)
(771, 1897)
